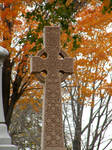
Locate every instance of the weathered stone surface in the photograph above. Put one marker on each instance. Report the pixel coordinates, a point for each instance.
(4, 136)
(3, 54)
(5, 139)
(8, 147)
(52, 129)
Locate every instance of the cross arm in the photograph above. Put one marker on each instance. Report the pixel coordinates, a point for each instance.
(37, 64)
(66, 65)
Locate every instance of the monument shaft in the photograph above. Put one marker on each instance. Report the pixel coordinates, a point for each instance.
(52, 129)
(5, 139)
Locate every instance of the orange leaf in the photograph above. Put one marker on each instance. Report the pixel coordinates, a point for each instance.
(17, 22)
(106, 3)
(68, 2)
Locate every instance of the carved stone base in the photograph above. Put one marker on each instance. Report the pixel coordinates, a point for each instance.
(54, 148)
(4, 136)
(5, 139)
(8, 147)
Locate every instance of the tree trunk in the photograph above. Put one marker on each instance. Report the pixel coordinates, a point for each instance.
(9, 113)
(6, 84)
(77, 137)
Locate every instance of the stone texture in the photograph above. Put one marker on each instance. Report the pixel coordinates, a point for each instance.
(4, 136)
(52, 129)
(3, 53)
(8, 147)
(5, 139)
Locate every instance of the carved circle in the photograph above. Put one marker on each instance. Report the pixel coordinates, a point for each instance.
(63, 75)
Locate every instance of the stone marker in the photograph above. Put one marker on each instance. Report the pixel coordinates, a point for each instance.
(52, 129)
(5, 140)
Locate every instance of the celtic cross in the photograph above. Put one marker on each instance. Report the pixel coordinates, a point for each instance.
(54, 66)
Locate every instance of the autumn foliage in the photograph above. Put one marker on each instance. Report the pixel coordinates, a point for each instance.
(92, 61)
(21, 27)
(91, 82)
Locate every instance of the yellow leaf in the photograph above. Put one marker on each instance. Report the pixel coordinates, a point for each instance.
(68, 2)
(92, 104)
(50, 1)
(106, 3)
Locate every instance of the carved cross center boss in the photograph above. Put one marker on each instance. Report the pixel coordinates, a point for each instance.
(52, 130)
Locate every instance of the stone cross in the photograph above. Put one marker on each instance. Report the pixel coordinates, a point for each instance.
(53, 65)
(5, 140)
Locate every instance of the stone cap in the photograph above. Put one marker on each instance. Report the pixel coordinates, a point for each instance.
(3, 52)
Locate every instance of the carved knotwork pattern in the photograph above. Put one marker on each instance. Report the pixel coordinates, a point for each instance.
(63, 76)
(53, 114)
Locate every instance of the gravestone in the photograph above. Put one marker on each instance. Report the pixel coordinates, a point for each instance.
(5, 140)
(55, 63)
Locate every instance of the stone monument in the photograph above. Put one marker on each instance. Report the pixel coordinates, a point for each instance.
(55, 63)
(5, 140)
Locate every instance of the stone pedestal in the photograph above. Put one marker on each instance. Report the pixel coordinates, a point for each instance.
(5, 139)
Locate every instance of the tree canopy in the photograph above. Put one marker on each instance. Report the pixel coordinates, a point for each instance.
(21, 30)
